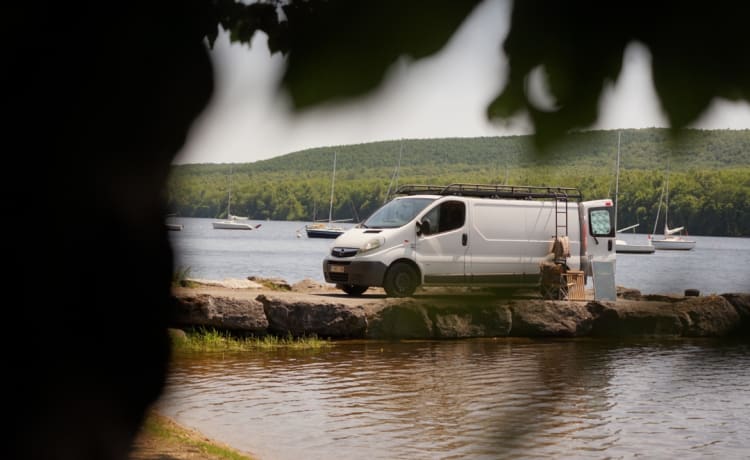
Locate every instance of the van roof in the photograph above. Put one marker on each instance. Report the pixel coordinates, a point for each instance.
(519, 192)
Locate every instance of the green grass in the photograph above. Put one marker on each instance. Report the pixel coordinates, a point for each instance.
(205, 339)
(175, 437)
(180, 278)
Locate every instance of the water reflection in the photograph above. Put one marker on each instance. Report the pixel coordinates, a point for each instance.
(501, 398)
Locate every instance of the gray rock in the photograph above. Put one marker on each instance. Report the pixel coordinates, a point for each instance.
(439, 318)
(741, 303)
(708, 316)
(404, 320)
(305, 318)
(223, 313)
(463, 315)
(550, 318)
(624, 317)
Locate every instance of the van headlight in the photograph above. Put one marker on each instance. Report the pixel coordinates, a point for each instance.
(370, 245)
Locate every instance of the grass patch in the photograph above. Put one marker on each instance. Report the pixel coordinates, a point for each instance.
(181, 278)
(274, 284)
(207, 339)
(163, 437)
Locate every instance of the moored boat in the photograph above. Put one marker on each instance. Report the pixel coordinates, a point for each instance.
(326, 229)
(673, 239)
(321, 230)
(233, 222)
(623, 247)
(234, 225)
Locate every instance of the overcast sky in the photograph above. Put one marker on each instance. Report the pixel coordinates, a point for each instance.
(443, 96)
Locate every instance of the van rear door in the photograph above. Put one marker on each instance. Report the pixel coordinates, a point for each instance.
(599, 223)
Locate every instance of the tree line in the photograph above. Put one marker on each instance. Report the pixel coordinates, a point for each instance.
(709, 177)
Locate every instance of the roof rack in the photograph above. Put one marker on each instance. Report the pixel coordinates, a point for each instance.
(518, 192)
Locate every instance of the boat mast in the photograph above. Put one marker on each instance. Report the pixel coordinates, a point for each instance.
(395, 173)
(617, 180)
(229, 199)
(658, 211)
(333, 180)
(666, 204)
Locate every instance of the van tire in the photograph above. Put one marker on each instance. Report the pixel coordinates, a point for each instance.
(353, 289)
(400, 280)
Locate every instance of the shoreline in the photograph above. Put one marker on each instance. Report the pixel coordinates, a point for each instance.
(272, 307)
(161, 437)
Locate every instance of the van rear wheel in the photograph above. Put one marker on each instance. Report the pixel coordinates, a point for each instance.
(353, 289)
(400, 280)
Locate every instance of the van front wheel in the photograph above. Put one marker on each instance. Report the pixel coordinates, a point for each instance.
(400, 280)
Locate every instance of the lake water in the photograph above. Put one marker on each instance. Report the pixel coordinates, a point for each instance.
(473, 399)
(281, 249)
(468, 399)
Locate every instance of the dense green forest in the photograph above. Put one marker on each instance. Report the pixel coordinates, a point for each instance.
(709, 176)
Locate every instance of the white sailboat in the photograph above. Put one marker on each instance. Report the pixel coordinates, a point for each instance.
(673, 238)
(326, 229)
(233, 222)
(622, 246)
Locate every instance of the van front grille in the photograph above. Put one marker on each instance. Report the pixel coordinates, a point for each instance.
(343, 252)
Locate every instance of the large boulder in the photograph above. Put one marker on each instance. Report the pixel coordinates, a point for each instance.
(300, 317)
(222, 313)
(708, 316)
(539, 318)
(439, 319)
(741, 303)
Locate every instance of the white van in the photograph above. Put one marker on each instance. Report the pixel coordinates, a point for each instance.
(470, 235)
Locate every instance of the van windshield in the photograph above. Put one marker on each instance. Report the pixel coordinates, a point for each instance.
(397, 212)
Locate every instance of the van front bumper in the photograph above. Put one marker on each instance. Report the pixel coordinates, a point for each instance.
(359, 273)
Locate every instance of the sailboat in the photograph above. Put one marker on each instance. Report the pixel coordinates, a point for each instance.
(326, 229)
(233, 222)
(673, 239)
(622, 246)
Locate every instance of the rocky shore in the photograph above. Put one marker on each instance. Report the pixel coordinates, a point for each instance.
(260, 307)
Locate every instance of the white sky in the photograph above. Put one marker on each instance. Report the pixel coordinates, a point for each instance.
(443, 96)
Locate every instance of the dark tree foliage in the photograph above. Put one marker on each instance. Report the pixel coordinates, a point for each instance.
(698, 53)
(342, 48)
(99, 99)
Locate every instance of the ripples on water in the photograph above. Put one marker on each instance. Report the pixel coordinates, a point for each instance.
(489, 399)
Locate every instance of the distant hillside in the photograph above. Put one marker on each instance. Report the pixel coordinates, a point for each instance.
(296, 186)
(640, 149)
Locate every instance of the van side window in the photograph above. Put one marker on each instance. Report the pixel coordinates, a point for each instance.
(601, 222)
(449, 215)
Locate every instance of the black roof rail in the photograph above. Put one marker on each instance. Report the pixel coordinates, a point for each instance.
(518, 192)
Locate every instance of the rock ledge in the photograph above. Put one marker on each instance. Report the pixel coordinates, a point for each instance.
(317, 310)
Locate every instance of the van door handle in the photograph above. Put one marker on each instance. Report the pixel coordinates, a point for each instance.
(609, 245)
(464, 239)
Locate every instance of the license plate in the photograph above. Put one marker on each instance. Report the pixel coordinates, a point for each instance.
(336, 268)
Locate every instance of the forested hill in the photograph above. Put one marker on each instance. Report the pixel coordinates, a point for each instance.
(709, 176)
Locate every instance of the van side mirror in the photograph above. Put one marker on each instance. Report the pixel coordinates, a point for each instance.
(423, 228)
